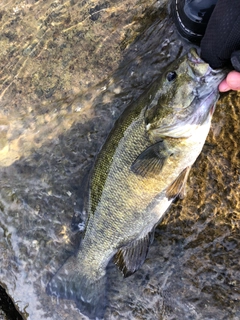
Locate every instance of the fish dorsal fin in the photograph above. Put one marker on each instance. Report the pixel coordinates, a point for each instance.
(130, 258)
(151, 161)
(177, 188)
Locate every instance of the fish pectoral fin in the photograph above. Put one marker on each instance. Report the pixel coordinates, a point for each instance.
(151, 161)
(130, 258)
(177, 188)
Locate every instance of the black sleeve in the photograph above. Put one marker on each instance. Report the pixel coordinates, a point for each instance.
(222, 36)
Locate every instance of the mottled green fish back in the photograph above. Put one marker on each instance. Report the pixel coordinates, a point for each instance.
(105, 157)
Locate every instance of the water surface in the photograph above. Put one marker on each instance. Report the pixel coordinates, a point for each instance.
(67, 71)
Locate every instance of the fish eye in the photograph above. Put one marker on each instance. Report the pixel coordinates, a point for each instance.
(171, 76)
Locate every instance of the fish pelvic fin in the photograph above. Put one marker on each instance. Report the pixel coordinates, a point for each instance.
(151, 161)
(177, 188)
(88, 293)
(130, 258)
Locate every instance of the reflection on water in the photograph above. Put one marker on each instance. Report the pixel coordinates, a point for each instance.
(68, 69)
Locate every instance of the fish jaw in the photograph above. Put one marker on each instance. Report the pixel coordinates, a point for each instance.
(187, 101)
(186, 127)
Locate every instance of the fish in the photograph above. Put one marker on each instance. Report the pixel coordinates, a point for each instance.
(142, 167)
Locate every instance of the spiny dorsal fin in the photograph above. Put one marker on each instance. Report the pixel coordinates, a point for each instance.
(151, 161)
(177, 188)
(130, 258)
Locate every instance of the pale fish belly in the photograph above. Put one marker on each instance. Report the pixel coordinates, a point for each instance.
(155, 212)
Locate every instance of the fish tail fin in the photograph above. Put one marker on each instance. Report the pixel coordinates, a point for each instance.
(72, 283)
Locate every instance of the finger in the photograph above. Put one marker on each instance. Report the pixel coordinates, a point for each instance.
(233, 80)
(223, 86)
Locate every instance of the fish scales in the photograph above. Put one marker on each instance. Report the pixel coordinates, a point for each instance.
(142, 167)
(139, 191)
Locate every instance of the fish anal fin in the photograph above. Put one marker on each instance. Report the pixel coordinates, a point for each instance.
(151, 161)
(177, 188)
(130, 258)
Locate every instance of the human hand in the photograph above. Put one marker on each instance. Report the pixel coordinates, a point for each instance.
(232, 82)
(221, 42)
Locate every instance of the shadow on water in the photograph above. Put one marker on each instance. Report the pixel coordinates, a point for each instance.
(8, 306)
(192, 268)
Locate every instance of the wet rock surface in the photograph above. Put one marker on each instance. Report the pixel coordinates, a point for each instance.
(67, 71)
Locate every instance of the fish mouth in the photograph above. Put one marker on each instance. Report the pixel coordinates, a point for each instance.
(202, 69)
(201, 114)
(194, 57)
(209, 102)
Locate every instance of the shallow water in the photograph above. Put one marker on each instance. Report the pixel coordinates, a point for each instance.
(68, 69)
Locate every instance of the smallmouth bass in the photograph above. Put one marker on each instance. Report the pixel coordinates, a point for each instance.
(142, 167)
